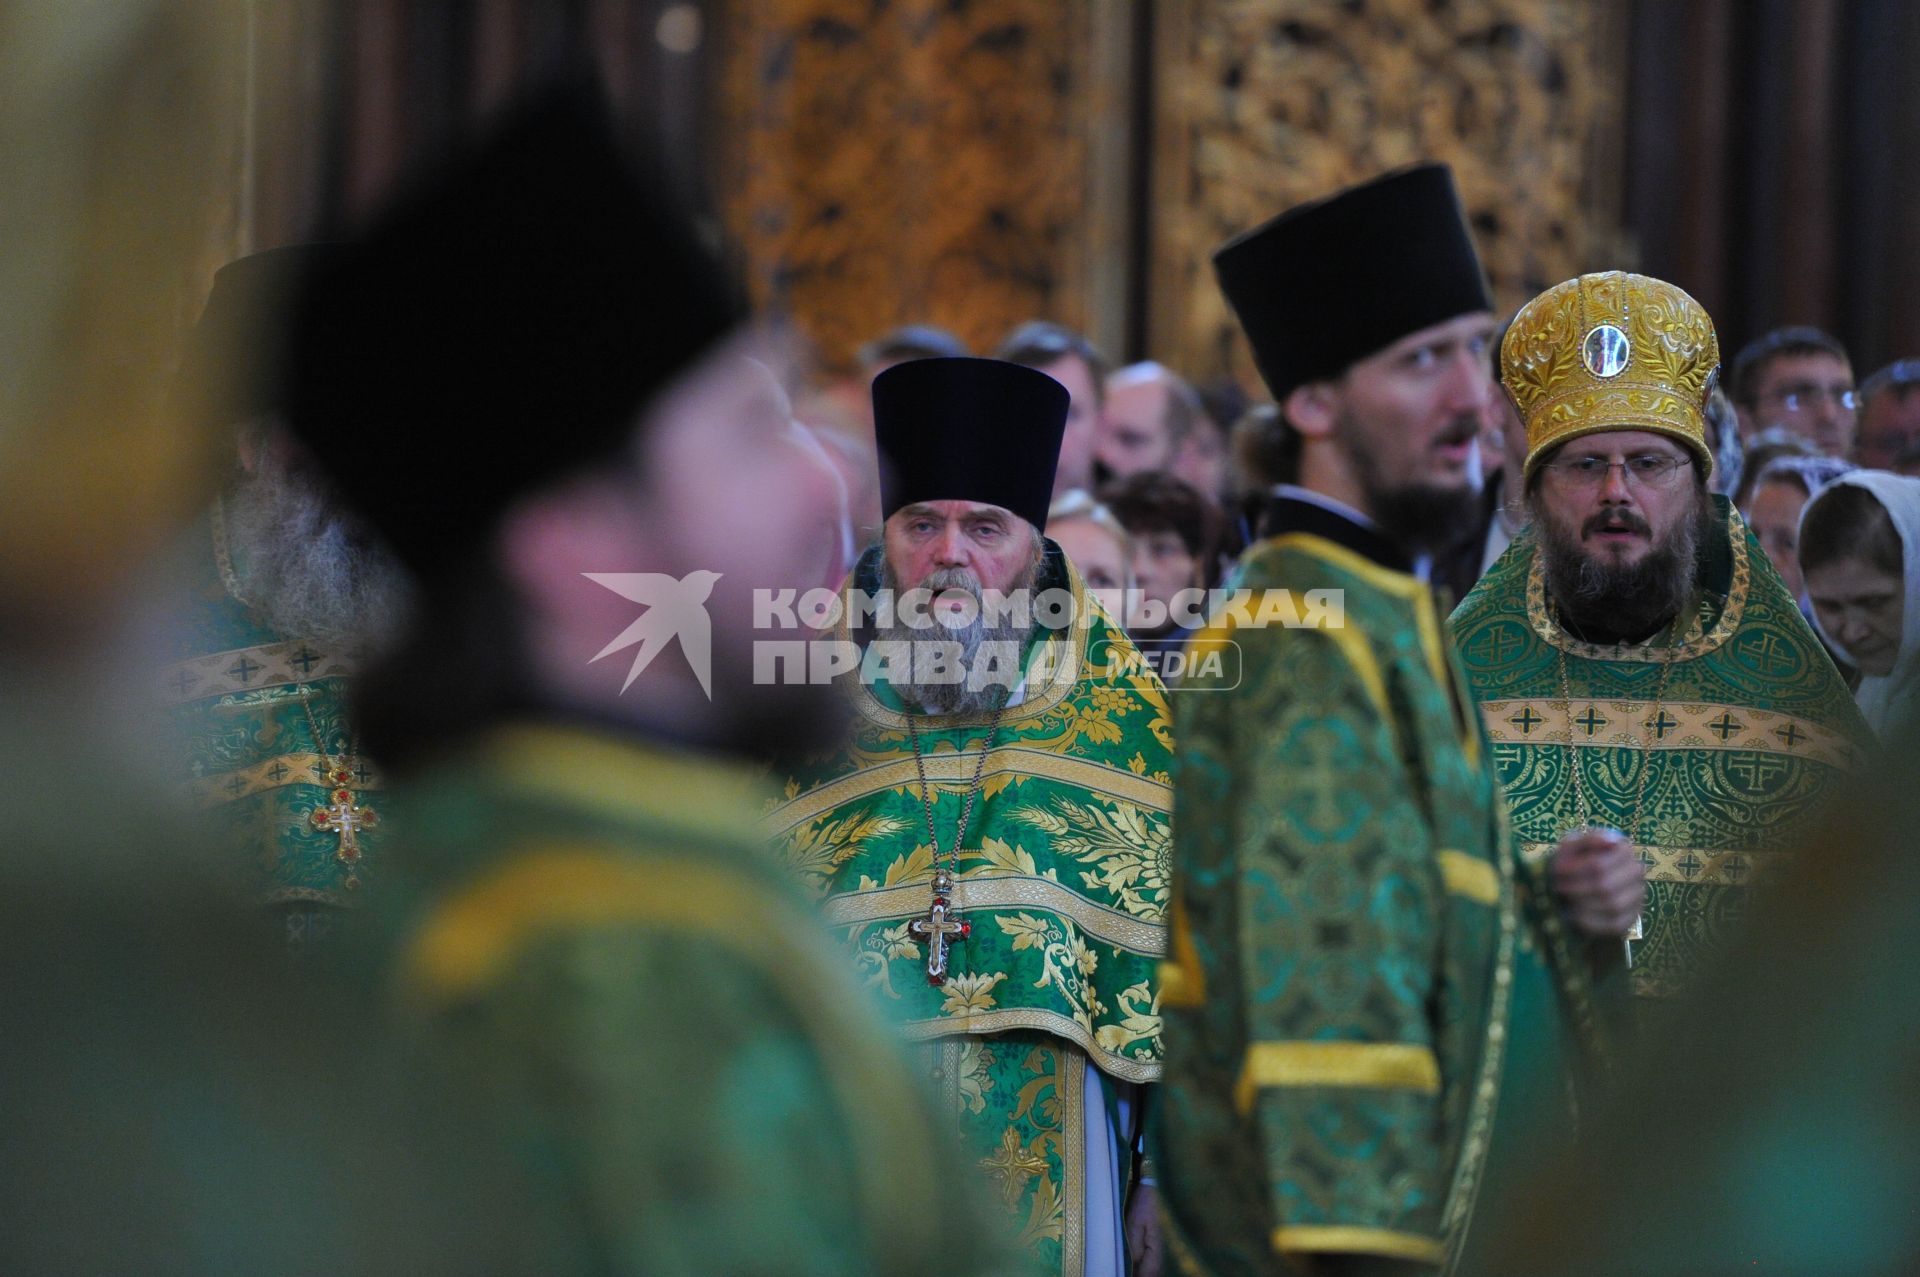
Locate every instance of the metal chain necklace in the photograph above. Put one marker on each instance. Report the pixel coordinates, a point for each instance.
(943, 926)
(342, 816)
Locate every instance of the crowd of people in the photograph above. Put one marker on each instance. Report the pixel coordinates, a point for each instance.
(730, 822)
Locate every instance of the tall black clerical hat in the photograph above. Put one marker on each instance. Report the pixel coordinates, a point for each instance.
(968, 430)
(1326, 284)
(499, 325)
(234, 365)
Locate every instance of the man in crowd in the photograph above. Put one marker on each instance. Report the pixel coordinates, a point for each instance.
(1346, 936)
(1638, 662)
(283, 595)
(1071, 360)
(584, 926)
(992, 837)
(1889, 415)
(1150, 410)
(1800, 379)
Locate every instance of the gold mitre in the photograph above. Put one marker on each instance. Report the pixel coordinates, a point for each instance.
(1611, 351)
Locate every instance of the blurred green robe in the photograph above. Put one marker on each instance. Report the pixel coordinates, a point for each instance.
(233, 691)
(1751, 730)
(1352, 933)
(586, 929)
(1063, 877)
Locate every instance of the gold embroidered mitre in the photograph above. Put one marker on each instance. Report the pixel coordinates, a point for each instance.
(1611, 351)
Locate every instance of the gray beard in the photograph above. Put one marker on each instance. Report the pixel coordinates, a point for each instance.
(304, 564)
(1007, 640)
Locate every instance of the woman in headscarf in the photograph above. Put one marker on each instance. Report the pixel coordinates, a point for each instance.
(1858, 554)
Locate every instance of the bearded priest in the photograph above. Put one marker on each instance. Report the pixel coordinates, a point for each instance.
(1638, 662)
(992, 841)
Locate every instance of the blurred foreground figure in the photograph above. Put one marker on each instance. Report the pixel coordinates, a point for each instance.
(1772, 1127)
(525, 376)
(1350, 920)
(176, 1102)
(282, 595)
(992, 833)
(1639, 664)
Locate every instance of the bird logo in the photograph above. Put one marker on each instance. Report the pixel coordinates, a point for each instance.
(676, 609)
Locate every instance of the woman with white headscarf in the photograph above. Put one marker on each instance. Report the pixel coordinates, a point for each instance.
(1859, 554)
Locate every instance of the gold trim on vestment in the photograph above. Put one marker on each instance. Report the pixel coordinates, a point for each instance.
(295, 769)
(1183, 980)
(627, 779)
(251, 669)
(956, 768)
(1065, 1027)
(1484, 1102)
(1400, 1066)
(472, 934)
(1073, 1159)
(1541, 617)
(999, 890)
(1628, 724)
(1347, 1240)
(1469, 877)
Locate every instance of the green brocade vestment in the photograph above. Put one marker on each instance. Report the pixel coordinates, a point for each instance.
(1349, 927)
(1712, 753)
(244, 702)
(585, 927)
(1063, 877)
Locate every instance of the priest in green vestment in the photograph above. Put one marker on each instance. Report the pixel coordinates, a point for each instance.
(279, 594)
(177, 1100)
(990, 844)
(578, 918)
(1363, 977)
(1637, 661)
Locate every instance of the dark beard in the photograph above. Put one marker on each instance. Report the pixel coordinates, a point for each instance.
(1603, 603)
(1419, 517)
(1006, 641)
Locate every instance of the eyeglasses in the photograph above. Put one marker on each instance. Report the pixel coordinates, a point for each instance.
(1794, 398)
(1646, 470)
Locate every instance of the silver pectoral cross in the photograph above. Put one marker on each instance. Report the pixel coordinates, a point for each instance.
(940, 928)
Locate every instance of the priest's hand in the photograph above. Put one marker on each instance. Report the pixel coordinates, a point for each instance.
(1600, 881)
(1143, 1231)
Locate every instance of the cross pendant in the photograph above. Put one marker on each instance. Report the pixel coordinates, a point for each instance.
(345, 818)
(940, 928)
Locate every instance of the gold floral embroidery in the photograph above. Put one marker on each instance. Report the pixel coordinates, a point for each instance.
(1139, 1021)
(1131, 852)
(1066, 962)
(976, 1079)
(969, 993)
(817, 850)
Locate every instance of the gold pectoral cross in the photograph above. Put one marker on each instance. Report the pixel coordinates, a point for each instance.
(344, 818)
(940, 927)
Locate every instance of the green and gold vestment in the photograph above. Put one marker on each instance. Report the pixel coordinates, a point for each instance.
(587, 928)
(1351, 930)
(1712, 753)
(1063, 877)
(243, 702)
